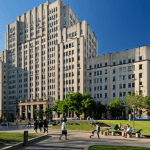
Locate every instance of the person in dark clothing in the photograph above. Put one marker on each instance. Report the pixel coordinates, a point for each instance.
(116, 127)
(35, 125)
(45, 126)
(41, 125)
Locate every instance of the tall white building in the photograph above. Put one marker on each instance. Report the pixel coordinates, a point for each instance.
(49, 53)
(47, 50)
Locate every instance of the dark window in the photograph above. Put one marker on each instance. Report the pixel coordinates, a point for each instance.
(140, 66)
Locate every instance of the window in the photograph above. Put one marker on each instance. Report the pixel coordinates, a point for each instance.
(97, 73)
(114, 79)
(72, 52)
(133, 59)
(140, 58)
(120, 86)
(94, 73)
(95, 88)
(133, 84)
(90, 66)
(105, 95)
(129, 85)
(114, 71)
(105, 79)
(120, 62)
(120, 94)
(100, 87)
(100, 95)
(124, 77)
(124, 61)
(100, 72)
(105, 87)
(78, 50)
(140, 83)
(105, 71)
(129, 77)
(133, 76)
(114, 87)
(129, 60)
(140, 67)
(105, 63)
(114, 63)
(124, 85)
(140, 75)
(114, 94)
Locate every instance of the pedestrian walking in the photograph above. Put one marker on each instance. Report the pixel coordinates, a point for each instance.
(17, 122)
(35, 126)
(64, 129)
(29, 123)
(41, 125)
(45, 126)
(97, 129)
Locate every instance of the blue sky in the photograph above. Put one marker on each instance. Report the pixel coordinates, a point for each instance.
(118, 24)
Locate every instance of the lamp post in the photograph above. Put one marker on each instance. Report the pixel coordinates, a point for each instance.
(133, 107)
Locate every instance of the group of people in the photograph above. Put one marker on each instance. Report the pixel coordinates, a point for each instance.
(41, 124)
(127, 129)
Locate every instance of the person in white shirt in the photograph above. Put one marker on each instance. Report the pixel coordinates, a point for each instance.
(127, 131)
(64, 130)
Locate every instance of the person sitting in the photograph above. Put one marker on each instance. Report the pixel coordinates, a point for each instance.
(116, 127)
(127, 131)
(120, 126)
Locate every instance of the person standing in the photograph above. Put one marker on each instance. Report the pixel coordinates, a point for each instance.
(45, 126)
(35, 126)
(29, 123)
(64, 130)
(97, 129)
(41, 125)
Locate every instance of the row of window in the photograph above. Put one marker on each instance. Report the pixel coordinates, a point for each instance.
(114, 63)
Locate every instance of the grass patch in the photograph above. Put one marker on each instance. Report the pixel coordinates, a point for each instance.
(6, 137)
(104, 147)
(84, 126)
(144, 125)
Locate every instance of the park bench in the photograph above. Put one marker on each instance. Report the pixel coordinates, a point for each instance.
(136, 132)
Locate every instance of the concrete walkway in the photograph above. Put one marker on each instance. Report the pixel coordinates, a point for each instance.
(79, 140)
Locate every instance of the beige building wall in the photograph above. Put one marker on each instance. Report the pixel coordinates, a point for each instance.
(3, 82)
(112, 76)
(47, 51)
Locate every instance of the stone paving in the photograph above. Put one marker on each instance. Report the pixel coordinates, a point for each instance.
(80, 140)
(77, 139)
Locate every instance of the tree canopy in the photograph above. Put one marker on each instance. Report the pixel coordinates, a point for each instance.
(116, 107)
(75, 102)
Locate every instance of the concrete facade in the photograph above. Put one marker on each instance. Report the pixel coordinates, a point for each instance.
(3, 84)
(112, 76)
(51, 53)
(47, 50)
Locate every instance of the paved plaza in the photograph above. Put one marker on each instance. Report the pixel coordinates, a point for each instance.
(77, 140)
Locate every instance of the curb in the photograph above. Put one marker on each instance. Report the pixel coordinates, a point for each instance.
(19, 145)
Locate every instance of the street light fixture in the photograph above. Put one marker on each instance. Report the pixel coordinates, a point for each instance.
(133, 107)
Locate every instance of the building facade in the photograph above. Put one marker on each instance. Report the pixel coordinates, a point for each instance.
(115, 75)
(47, 51)
(3, 84)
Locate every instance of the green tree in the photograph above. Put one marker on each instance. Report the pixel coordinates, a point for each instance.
(100, 108)
(60, 107)
(116, 107)
(48, 113)
(41, 113)
(140, 101)
(88, 104)
(36, 113)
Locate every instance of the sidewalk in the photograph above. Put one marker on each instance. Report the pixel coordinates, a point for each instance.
(79, 140)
